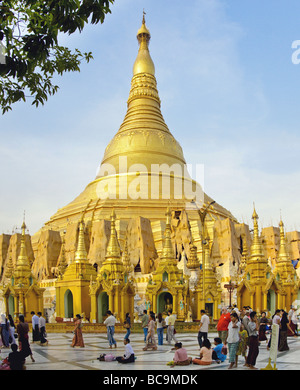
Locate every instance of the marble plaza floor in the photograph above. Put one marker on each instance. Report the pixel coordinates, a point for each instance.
(59, 355)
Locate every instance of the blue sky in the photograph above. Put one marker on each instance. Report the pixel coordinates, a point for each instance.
(229, 92)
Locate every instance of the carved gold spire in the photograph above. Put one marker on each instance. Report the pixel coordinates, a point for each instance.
(113, 251)
(143, 62)
(256, 250)
(143, 137)
(81, 253)
(168, 251)
(22, 269)
(282, 253)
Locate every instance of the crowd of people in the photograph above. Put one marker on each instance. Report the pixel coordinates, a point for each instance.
(17, 339)
(244, 330)
(240, 333)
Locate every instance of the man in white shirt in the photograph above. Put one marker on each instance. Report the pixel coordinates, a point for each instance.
(35, 327)
(110, 325)
(170, 321)
(42, 328)
(128, 355)
(203, 328)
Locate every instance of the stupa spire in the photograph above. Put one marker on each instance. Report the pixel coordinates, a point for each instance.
(168, 251)
(256, 250)
(113, 250)
(143, 62)
(22, 269)
(81, 253)
(282, 253)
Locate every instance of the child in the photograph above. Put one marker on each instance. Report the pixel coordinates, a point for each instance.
(217, 354)
(205, 354)
(106, 357)
(242, 347)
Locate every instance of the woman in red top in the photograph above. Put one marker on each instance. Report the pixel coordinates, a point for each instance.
(222, 325)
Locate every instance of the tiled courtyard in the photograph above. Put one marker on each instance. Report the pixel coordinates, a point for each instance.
(59, 355)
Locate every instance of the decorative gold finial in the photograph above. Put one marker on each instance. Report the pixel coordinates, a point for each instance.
(144, 13)
(168, 252)
(143, 62)
(81, 253)
(113, 250)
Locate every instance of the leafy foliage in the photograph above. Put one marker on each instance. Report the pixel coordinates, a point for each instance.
(29, 31)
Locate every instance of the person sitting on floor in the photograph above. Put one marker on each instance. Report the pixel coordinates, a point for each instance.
(180, 358)
(128, 355)
(16, 358)
(205, 354)
(217, 353)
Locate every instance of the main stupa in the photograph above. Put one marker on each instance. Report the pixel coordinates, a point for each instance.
(142, 151)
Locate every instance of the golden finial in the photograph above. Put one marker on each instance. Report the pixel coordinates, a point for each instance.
(22, 269)
(113, 248)
(256, 249)
(81, 253)
(144, 13)
(168, 252)
(282, 253)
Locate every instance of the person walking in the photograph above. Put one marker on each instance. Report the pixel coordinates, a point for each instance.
(293, 321)
(42, 329)
(145, 321)
(5, 330)
(35, 327)
(171, 327)
(222, 325)
(233, 338)
(12, 329)
(203, 328)
(110, 325)
(78, 339)
(253, 352)
(127, 325)
(150, 339)
(283, 331)
(23, 330)
(160, 324)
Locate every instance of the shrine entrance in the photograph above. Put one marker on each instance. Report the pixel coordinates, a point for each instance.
(68, 300)
(102, 306)
(164, 302)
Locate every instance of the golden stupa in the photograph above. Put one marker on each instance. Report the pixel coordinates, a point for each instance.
(142, 142)
(174, 246)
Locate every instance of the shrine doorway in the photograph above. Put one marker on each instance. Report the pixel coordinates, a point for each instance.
(102, 306)
(68, 300)
(271, 301)
(164, 302)
(11, 305)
